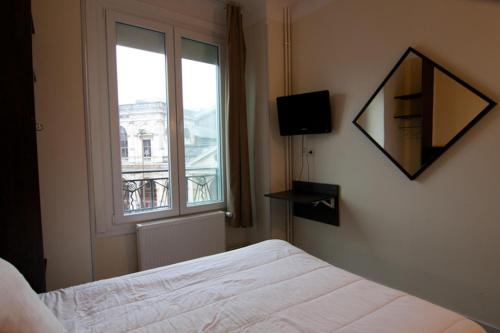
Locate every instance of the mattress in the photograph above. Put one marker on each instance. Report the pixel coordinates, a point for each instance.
(267, 287)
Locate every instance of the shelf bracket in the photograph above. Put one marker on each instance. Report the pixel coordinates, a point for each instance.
(328, 203)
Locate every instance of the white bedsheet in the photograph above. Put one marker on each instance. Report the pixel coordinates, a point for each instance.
(268, 287)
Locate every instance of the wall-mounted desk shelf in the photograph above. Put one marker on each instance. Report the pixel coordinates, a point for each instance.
(299, 197)
(408, 116)
(314, 201)
(409, 96)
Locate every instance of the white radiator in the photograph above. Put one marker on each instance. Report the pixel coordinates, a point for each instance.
(174, 240)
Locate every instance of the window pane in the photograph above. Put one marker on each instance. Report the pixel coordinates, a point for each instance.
(146, 148)
(123, 142)
(143, 113)
(200, 88)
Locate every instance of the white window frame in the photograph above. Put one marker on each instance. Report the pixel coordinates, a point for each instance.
(102, 118)
(113, 17)
(196, 208)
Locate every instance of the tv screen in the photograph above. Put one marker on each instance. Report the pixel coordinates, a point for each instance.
(307, 113)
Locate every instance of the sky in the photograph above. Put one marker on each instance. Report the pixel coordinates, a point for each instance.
(142, 76)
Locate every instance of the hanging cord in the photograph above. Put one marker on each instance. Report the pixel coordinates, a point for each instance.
(301, 157)
(307, 153)
(307, 161)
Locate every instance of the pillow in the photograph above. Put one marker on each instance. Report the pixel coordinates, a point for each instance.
(21, 311)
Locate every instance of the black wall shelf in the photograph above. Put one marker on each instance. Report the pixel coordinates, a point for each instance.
(409, 96)
(314, 201)
(408, 116)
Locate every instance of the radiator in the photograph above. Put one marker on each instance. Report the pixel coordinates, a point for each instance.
(174, 240)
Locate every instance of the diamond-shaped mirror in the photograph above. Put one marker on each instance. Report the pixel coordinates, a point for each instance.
(419, 111)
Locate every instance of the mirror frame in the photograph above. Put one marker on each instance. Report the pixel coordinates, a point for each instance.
(491, 104)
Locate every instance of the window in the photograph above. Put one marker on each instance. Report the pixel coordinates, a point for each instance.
(148, 194)
(142, 106)
(123, 143)
(164, 119)
(146, 148)
(200, 89)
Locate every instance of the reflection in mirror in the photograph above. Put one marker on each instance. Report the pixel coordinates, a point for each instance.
(419, 111)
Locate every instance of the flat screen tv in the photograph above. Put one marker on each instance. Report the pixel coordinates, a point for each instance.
(307, 113)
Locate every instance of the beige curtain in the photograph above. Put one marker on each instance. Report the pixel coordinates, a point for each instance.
(239, 198)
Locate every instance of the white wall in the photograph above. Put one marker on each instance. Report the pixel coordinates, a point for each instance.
(62, 161)
(115, 256)
(436, 237)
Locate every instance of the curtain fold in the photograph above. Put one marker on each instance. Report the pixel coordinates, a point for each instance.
(239, 195)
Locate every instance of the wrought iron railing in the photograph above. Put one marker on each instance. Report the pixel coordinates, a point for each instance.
(149, 190)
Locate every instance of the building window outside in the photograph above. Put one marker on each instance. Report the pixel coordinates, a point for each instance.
(123, 143)
(146, 148)
(149, 193)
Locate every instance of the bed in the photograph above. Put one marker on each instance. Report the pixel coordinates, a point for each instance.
(267, 287)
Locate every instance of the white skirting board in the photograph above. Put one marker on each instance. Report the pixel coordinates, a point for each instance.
(174, 240)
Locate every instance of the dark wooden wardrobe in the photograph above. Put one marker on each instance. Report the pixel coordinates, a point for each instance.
(20, 221)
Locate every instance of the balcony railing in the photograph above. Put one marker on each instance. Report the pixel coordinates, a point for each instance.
(150, 190)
